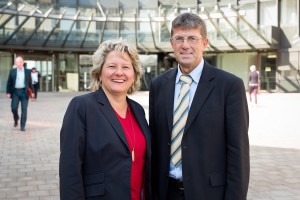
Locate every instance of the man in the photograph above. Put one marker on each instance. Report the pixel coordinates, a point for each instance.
(202, 152)
(19, 80)
(35, 76)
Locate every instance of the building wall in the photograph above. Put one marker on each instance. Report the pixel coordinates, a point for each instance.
(264, 33)
(238, 64)
(5, 65)
(288, 71)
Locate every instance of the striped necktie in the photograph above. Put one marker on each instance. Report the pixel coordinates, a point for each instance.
(179, 118)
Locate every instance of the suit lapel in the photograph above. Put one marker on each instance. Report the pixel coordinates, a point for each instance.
(204, 88)
(110, 115)
(169, 90)
(26, 79)
(14, 74)
(141, 121)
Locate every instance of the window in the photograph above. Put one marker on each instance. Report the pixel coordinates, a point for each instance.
(268, 13)
(288, 13)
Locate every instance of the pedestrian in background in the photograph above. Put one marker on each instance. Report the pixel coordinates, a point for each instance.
(199, 119)
(253, 83)
(105, 138)
(18, 82)
(35, 75)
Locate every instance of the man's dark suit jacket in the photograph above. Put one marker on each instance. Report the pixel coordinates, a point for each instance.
(95, 161)
(215, 145)
(11, 81)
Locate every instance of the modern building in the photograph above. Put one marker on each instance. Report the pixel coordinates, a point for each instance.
(58, 37)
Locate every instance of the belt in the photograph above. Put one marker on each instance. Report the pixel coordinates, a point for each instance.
(19, 88)
(177, 183)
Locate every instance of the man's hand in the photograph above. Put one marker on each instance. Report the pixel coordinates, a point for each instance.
(8, 95)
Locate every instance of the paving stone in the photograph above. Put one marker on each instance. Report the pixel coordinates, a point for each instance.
(38, 193)
(16, 195)
(29, 160)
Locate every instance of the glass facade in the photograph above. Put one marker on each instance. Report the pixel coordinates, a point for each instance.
(43, 65)
(71, 25)
(289, 13)
(68, 72)
(61, 35)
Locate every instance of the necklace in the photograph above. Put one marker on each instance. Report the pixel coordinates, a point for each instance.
(132, 128)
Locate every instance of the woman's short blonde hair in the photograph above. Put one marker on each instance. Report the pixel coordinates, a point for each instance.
(252, 68)
(99, 57)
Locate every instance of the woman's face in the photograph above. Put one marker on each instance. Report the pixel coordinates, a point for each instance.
(117, 74)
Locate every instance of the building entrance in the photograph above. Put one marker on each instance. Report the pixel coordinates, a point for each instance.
(44, 66)
(268, 72)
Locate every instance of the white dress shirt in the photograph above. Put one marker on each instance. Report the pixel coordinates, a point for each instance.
(20, 80)
(176, 172)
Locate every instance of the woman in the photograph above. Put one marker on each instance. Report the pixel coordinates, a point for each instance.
(105, 140)
(253, 83)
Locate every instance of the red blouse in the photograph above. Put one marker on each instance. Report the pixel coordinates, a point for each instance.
(135, 138)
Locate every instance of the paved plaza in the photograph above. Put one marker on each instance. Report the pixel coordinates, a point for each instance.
(29, 160)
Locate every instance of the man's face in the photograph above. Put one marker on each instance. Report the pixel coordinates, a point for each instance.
(188, 46)
(19, 62)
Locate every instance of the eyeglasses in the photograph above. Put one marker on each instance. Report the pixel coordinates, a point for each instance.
(190, 40)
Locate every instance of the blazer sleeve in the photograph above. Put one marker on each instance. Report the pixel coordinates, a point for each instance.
(10, 83)
(72, 146)
(237, 123)
(29, 80)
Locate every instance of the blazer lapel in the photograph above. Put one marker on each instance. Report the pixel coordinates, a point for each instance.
(110, 115)
(14, 74)
(169, 90)
(141, 120)
(26, 79)
(205, 86)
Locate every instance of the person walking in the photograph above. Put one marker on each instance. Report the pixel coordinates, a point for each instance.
(18, 83)
(253, 83)
(35, 75)
(105, 138)
(198, 116)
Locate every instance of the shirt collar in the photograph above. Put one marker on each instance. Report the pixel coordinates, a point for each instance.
(195, 74)
(20, 70)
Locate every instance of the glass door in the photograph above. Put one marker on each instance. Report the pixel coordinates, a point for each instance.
(85, 63)
(68, 72)
(44, 66)
(268, 71)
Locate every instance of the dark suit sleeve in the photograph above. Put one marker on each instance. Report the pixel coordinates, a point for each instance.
(29, 80)
(10, 83)
(237, 122)
(72, 146)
